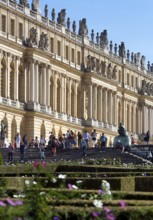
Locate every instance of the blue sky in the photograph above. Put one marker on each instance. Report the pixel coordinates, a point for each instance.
(130, 21)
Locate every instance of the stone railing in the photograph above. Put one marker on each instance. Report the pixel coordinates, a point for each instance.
(12, 103)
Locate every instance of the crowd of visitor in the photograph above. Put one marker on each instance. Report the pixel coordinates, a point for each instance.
(68, 140)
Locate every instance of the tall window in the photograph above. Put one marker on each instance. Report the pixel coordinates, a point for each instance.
(58, 48)
(67, 52)
(136, 82)
(52, 45)
(3, 23)
(20, 30)
(72, 55)
(78, 58)
(128, 79)
(12, 27)
(132, 81)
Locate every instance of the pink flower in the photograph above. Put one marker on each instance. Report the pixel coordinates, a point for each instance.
(2, 204)
(11, 202)
(106, 209)
(36, 164)
(100, 192)
(95, 214)
(69, 186)
(122, 204)
(18, 202)
(43, 164)
(110, 216)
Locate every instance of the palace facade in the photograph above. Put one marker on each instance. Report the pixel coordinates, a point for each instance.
(53, 78)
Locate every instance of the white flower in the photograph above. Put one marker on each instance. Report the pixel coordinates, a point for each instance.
(27, 182)
(15, 196)
(34, 182)
(74, 187)
(105, 185)
(61, 176)
(79, 181)
(98, 203)
(54, 180)
(83, 195)
(42, 193)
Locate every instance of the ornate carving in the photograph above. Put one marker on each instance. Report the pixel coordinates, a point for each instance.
(32, 40)
(88, 63)
(109, 71)
(104, 39)
(43, 43)
(146, 88)
(114, 72)
(61, 17)
(83, 29)
(103, 68)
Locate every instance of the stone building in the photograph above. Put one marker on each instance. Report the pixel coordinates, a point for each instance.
(53, 78)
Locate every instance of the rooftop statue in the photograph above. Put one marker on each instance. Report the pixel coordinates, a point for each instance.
(104, 39)
(24, 2)
(68, 23)
(122, 51)
(83, 29)
(36, 6)
(53, 14)
(143, 61)
(74, 26)
(61, 17)
(46, 11)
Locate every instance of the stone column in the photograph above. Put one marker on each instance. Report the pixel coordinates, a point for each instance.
(16, 79)
(32, 81)
(55, 92)
(115, 110)
(9, 56)
(134, 118)
(75, 99)
(94, 102)
(69, 97)
(90, 102)
(1, 56)
(48, 85)
(105, 105)
(25, 67)
(110, 107)
(44, 84)
(144, 112)
(37, 82)
(100, 103)
(64, 95)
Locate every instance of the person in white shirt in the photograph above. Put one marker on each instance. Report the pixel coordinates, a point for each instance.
(42, 141)
(17, 140)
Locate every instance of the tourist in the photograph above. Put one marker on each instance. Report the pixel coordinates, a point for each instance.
(103, 140)
(32, 143)
(42, 152)
(42, 141)
(36, 142)
(24, 139)
(84, 146)
(79, 135)
(67, 139)
(10, 153)
(17, 140)
(94, 138)
(54, 146)
(86, 137)
(147, 137)
(22, 146)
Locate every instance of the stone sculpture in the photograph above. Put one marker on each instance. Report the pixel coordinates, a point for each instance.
(43, 43)
(122, 139)
(97, 38)
(3, 131)
(53, 14)
(36, 6)
(122, 50)
(92, 35)
(32, 40)
(104, 39)
(111, 46)
(115, 49)
(109, 71)
(46, 11)
(83, 29)
(74, 26)
(68, 23)
(25, 3)
(88, 63)
(143, 61)
(61, 17)
(114, 72)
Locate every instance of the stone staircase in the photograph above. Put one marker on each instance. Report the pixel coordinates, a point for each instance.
(75, 154)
